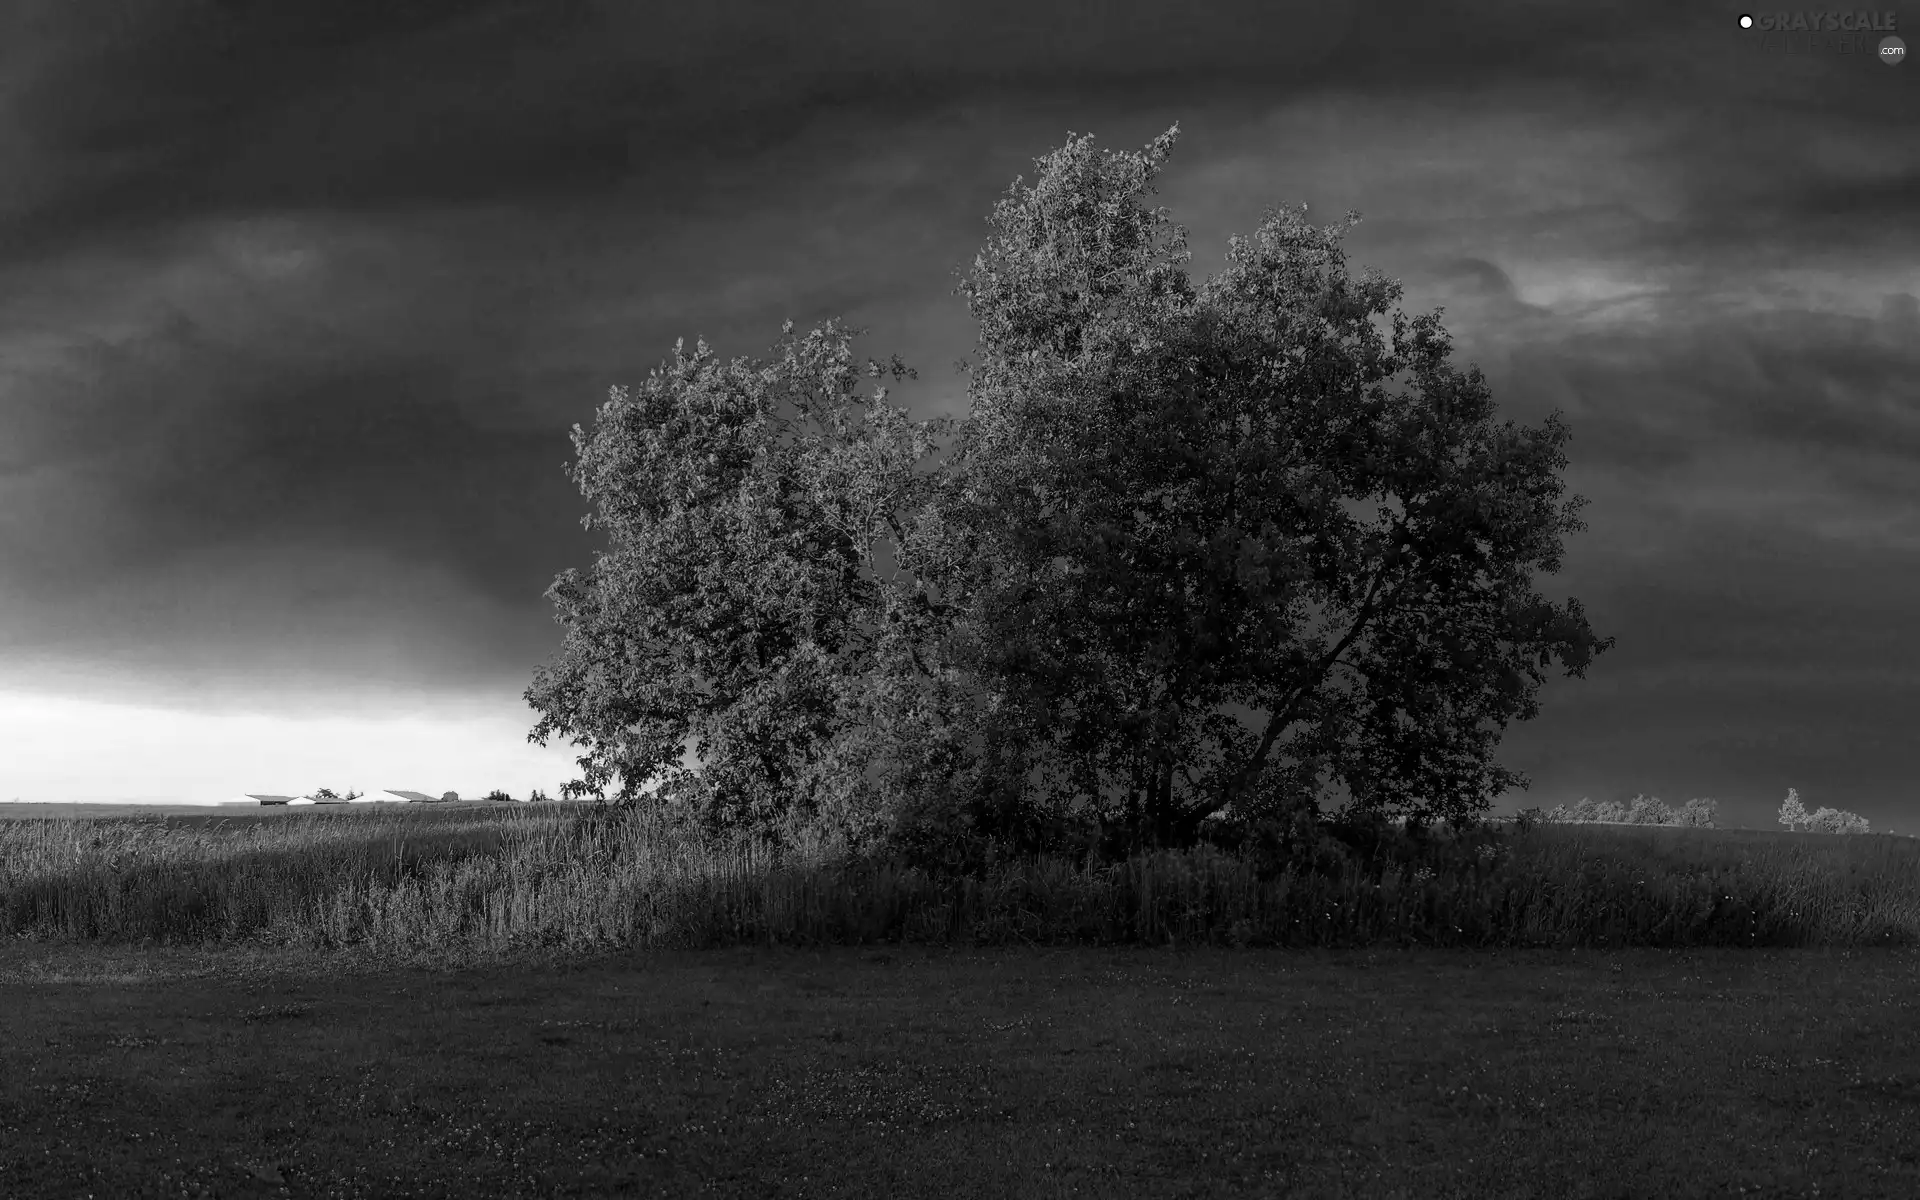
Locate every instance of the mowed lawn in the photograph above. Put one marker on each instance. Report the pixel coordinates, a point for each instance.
(907, 1071)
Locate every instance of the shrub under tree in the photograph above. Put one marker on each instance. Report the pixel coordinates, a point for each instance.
(1833, 820)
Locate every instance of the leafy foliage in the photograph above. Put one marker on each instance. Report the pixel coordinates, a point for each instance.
(1792, 814)
(1827, 820)
(1168, 593)
(739, 607)
(1830, 820)
(1141, 596)
(1698, 813)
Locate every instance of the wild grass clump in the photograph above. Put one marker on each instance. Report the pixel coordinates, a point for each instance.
(489, 882)
(171, 882)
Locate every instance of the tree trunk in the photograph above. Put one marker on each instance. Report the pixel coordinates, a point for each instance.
(1163, 800)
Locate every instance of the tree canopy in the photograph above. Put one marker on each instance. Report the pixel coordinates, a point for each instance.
(1195, 551)
(738, 606)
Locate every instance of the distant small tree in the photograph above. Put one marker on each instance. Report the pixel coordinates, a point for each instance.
(1792, 814)
(449, 795)
(330, 794)
(539, 797)
(499, 797)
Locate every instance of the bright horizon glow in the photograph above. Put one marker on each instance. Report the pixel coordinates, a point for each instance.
(60, 751)
(164, 756)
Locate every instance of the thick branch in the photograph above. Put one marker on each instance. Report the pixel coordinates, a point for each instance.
(1284, 715)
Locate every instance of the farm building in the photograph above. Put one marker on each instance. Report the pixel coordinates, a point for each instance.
(381, 796)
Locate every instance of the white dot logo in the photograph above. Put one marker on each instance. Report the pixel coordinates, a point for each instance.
(1746, 22)
(1893, 51)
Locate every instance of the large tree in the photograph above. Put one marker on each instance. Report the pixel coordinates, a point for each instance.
(1144, 583)
(1152, 546)
(739, 606)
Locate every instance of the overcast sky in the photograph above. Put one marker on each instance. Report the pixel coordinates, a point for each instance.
(298, 302)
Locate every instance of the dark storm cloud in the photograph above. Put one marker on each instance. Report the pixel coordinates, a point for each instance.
(298, 301)
(144, 113)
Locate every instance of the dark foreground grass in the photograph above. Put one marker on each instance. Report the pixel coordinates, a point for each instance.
(389, 1003)
(904, 1072)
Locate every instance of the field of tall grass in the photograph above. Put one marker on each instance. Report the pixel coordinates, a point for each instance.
(484, 883)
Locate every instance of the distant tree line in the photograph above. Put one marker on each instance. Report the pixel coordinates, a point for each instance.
(1641, 810)
(1646, 810)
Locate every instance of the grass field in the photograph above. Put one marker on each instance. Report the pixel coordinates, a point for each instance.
(915, 1071)
(537, 1000)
